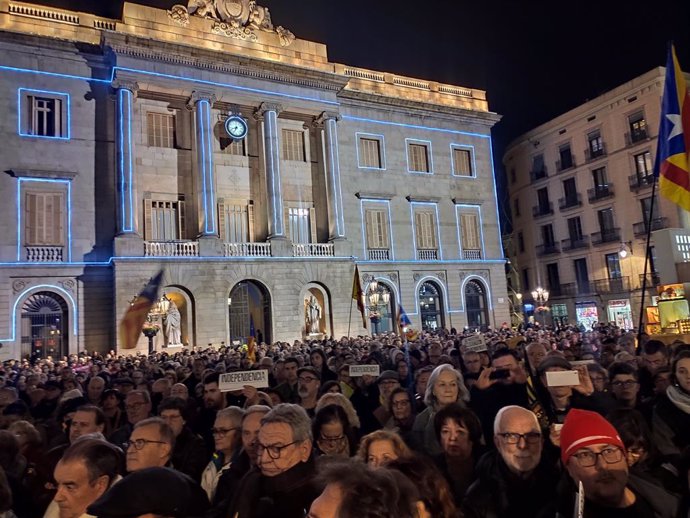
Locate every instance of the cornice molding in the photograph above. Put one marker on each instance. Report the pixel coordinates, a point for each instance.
(36, 173)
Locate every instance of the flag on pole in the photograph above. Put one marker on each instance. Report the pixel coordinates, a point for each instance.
(403, 319)
(672, 164)
(135, 316)
(358, 295)
(251, 341)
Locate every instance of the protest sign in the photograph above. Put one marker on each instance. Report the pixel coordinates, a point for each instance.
(362, 370)
(237, 380)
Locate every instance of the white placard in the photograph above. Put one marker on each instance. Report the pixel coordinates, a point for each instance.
(575, 363)
(562, 378)
(237, 380)
(474, 344)
(362, 370)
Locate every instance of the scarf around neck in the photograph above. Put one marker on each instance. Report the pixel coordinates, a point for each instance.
(679, 398)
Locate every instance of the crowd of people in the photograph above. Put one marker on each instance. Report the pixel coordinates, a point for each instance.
(529, 423)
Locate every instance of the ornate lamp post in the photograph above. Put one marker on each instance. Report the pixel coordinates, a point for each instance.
(378, 297)
(541, 296)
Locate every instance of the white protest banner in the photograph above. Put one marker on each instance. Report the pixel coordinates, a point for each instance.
(237, 380)
(474, 344)
(362, 370)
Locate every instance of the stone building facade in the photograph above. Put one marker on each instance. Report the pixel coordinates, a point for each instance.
(580, 198)
(119, 161)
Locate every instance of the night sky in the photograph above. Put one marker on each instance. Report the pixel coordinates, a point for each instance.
(535, 58)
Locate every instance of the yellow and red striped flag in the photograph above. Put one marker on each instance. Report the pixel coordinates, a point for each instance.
(135, 316)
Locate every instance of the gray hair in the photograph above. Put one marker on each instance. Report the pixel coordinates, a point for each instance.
(165, 433)
(255, 409)
(293, 415)
(343, 402)
(234, 413)
(463, 393)
(499, 417)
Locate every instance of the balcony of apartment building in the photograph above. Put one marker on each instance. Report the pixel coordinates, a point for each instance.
(565, 164)
(573, 289)
(615, 285)
(595, 152)
(548, 249)
(600, 192)
(427, 254)
(570, 202)
(171, 248)
(538, 173)
(574, 243)
(247, 249)
(313, 250)
(636, 136)
(638, 182)
(542, 209)
(653, 279)
(607, 235)
(378, 254)
(640, 229)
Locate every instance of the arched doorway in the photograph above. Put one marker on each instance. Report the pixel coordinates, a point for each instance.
(249, 310)
(430, 306)
(380, 299)
(44, 326)
(475, 306)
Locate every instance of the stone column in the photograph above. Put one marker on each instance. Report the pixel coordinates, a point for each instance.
(267, 114)
(126, 193)
(202, 102)
(334, 196)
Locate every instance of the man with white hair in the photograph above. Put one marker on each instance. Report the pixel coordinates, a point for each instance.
(515, 479)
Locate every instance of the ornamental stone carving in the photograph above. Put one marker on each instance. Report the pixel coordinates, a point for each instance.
(68, 285)
(417, 276)
(441, 276)
(18, 285)
(240, 19)
(393, 277)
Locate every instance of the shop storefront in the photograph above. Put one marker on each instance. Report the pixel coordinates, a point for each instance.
(620, 313)
(587, 314)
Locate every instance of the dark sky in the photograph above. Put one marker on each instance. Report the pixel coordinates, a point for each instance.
(535, 58)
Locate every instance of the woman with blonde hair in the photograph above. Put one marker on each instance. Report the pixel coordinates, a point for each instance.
(381, 447)
(334, 398)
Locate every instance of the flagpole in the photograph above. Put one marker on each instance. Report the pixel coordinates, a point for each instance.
(349, 320)
(650, 219)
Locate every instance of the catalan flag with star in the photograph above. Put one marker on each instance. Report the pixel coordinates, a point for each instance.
(672, 164)
(133, 321)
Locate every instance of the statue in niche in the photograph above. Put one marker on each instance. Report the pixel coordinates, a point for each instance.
(312, 312)
(172, 325)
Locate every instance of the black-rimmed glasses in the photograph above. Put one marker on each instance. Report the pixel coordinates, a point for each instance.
(140, 443)
(273, 451)
(514, 438)
(588, 458)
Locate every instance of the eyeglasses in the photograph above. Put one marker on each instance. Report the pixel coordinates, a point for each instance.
(140, 443)
(273, 451)
(624, 384)
(306, 379)
(588, 458)
(514, 438)
(223, 431)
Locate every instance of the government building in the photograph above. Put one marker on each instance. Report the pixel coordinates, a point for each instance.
(215, 145)
(581, 199)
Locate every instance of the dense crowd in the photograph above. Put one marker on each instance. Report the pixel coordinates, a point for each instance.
(529, 423)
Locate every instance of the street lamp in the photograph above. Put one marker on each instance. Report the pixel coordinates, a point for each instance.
(378, 297)
(541, 296)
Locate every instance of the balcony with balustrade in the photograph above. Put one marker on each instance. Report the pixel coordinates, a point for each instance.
(379, 254)
(44, 254)
(594, 154)
(542, 209)
(600, 192)
(538, 174)
(575, 243)
(565, 165)
(472, 255)
(640, 228)
(247, 249)
(607, 235)
(548, 249)
(653, 279)
(179, 248)
(637, 181)
(636, 136)
(571, 201)
(313, 250)
(615, 285)
(427, 254)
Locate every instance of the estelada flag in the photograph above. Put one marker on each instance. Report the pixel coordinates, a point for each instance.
(358, 295)
(133, 320)
(403, 319)
(672, 164)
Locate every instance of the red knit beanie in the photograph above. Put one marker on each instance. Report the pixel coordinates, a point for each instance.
(582, 428)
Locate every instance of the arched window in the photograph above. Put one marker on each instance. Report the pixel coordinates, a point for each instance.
(430, 306)
(44, 326)
(249, 310)
(475, 305)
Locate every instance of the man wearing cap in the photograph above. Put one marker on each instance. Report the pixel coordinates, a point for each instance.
(516, 479)
(388, 381)
(594, 455)
(308, 384)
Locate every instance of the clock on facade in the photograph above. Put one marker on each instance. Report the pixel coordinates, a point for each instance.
(236, 127)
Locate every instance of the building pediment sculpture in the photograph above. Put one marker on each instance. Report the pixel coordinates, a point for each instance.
(239, 19)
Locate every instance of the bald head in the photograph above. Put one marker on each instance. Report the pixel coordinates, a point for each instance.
(508, 414)
(180, 390)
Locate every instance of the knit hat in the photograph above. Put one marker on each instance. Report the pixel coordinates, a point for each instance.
(582, 428)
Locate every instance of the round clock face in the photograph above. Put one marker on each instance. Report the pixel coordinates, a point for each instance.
(236, 127)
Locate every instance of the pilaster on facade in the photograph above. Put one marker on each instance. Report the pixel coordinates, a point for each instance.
(202, 103)
(326, 123)
(126, 90)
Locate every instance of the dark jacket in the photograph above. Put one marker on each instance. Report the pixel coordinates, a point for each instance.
(499, 493)
(190, 455)
(288, 495)
(486, 403)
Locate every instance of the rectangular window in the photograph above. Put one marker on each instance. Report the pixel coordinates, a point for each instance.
(538, 165)
(581, 275)
(232, 146)
(470, 231)
(565, 157)
(299, 224)
(613, 266)
(643, 164)
(376, 221)
(553, 278)
(547, 238)
(599, 178)
(462, 162)
(418, 158)
(516, 207)
(165, 220)
(521, 242)
(293, 147)
(161, 129)
(43, 222)
(425, 229)
(543, 201)
(605, 217)
(570, 191)
(370, 153)
(595, 144)
(525, 278)
(236, 224)
(646, 205)
(575, 229)
(44, 114)
(638, 127)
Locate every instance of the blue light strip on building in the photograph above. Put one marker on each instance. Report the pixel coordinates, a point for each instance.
(493, 180)
(415, 126)
(22, 111)
(382, 150)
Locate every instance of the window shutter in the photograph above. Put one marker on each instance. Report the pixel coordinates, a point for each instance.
(222, 233)
(470, 231)
(56, 215)
(286, 222)
(32, 220)
(426, 237)
(370, 224)
(383, 229)
(312, 225)
(148, 219)
(181, 223)
(250, 221)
